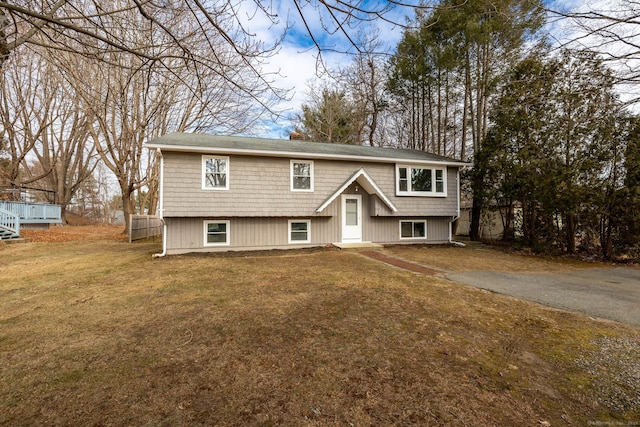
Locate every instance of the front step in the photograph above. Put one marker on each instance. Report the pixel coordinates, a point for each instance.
(7, 235)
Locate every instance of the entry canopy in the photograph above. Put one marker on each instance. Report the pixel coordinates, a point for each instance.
(366, 182)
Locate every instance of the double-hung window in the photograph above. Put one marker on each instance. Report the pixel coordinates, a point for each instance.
(215, 173)
(420, 181)
(301, 175)
(413, 229)
(216, 233)
(299, 231)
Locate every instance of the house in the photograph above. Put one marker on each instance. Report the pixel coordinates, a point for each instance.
(492, 220)
(221, 193)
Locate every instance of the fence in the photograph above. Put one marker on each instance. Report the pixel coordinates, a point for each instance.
(144, 227)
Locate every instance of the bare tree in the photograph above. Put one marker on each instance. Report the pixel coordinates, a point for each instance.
(131, 99)
(612, 29)
(364, 80)
(47, 137)
(24, 109)
(328, 23)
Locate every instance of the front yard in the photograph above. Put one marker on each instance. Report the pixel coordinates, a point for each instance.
(96, 332)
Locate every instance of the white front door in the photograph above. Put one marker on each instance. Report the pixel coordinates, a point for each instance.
(351, 218)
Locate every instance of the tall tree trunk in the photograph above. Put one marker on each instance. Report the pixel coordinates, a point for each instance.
(570, 232)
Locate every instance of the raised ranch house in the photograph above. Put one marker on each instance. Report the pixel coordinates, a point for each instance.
(220, 193)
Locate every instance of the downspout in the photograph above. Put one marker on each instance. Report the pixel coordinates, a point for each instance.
(161, 206)
(454, 218)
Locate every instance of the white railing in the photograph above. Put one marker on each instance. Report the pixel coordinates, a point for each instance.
(33, 211)
(9, 221)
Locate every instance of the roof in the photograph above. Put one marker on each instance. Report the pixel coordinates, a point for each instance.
(369, 185)
(205, 143)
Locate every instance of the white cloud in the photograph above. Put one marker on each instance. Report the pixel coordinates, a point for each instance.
(296, 61)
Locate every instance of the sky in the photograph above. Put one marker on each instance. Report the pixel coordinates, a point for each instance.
(295, 63)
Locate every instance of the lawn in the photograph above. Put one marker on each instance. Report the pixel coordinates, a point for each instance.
(97, 332)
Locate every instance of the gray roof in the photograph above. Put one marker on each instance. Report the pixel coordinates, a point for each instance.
(205, 143)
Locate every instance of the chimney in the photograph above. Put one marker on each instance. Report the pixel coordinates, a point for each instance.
(295, 136)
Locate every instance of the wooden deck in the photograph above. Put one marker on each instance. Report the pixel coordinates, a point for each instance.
(34, 213)
(14, 215)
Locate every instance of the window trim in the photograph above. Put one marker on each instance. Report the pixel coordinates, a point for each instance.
(410, 192)
(205, 157)
(308, 240)
(412, 221)
(205, 228)
(311, 176)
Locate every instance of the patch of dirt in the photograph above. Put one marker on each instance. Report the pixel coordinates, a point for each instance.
(76, 233)
(400, 263)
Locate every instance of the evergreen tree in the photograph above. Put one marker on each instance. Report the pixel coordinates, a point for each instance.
(553, 149)
(448, 71)
(330, 117)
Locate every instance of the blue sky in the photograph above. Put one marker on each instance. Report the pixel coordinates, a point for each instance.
(296, 59)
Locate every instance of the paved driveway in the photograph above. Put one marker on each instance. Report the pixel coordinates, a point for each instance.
(609, 293)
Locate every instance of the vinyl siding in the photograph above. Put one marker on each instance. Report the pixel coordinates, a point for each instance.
(187, 234)
(260, 187)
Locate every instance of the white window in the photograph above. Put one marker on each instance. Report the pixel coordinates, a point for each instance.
(413, 229)
(420, 181)
(215, 173)
(216, 233)
(301, 175)
(299, 231)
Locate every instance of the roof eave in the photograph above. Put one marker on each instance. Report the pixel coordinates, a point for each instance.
(300, 154)
(373, 189)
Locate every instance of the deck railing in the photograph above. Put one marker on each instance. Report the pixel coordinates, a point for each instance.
(34, 212)
(9, 221)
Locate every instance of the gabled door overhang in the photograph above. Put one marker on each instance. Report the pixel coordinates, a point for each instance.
(367, 183)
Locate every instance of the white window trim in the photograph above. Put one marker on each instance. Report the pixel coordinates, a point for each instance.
(293, 242)
(204, 172)
(412, 221)
(433, 180)
(205, 230)
(304, 190)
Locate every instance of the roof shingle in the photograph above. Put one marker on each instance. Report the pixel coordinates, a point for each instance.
(207, 143)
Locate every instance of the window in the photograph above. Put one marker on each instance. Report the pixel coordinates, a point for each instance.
(215, 173)
(301, 175)
(413, 229)
(415, 181)
(439, 181)
(299, 231)
(216, 233)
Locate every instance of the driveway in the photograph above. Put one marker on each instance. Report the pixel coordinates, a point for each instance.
(608, 293)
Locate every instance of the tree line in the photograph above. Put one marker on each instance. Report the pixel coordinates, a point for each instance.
(553, 148)
(85, 84)
(552, 145)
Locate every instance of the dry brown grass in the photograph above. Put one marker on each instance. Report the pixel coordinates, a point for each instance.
(462, 259)
(99, 333)
(76, 233)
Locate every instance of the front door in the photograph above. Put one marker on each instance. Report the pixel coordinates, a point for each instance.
(351, 218)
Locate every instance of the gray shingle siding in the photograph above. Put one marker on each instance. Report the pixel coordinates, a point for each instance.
(259, 202)
(260, 186)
